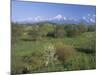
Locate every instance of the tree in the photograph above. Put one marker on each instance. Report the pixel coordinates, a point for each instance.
(91, 28)
(34, 33)
(73, 29)
(82, 27)
(59, 31)
(45, 29)
(16, 31)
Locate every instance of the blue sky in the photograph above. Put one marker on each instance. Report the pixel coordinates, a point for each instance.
(45, 11)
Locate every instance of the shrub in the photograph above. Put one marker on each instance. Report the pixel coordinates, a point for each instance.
(59, 31)
(82, 27)
(91, 28)
(74, 30)
(19, 67)
(32, 33)
(45, 29)
(71, 30)
(81, 62)
(51, 34)
(27, 64)
(64, 52)
(16, 32)
(88, 43)
(48, 54)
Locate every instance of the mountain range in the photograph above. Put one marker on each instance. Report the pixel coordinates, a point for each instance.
(59, 19)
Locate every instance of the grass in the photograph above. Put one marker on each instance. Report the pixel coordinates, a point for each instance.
(31, 52)
(81, 61)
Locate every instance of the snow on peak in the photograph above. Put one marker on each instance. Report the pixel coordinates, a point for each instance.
(59, 17)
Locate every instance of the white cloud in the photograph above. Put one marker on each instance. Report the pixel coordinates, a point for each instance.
(94, 15)
(84, 17)
(59, 16)
(65, 18)
(92, 20)
(38, 18)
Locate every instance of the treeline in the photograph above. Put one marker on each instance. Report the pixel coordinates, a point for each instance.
(37, 31)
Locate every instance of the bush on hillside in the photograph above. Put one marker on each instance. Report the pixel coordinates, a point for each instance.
(64, 52)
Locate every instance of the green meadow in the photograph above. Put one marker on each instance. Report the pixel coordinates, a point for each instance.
(47, 47)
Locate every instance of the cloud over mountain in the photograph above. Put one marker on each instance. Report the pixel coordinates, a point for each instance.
(89, 18)
(59, 16)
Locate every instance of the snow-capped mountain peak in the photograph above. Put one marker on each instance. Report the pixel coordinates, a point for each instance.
(59, 17)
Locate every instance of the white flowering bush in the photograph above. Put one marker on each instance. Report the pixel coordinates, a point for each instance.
(48, 54)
